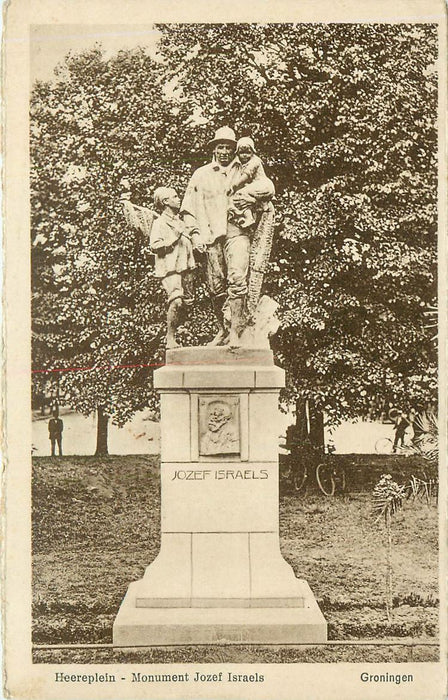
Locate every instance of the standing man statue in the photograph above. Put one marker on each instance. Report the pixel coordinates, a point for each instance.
(226, 244)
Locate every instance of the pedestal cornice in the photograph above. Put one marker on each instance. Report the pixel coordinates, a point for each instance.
(210, 367)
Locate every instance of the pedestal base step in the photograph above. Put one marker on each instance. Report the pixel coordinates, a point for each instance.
(297, 602)
(263, 625)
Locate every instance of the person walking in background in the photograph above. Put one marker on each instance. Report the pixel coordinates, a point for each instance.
(401, 424)
(55, 428)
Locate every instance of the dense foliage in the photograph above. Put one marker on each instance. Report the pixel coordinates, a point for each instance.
(96, 305)
(344, 116)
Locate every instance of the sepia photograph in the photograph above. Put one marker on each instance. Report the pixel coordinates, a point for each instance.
(235, 392)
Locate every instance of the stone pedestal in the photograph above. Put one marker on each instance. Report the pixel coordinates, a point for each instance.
(219, 575)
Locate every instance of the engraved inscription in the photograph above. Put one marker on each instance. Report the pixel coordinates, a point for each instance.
(219, 474)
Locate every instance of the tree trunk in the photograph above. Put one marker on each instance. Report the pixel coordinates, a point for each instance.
(101, 432)
(316, 426)
(309, 422)
(301, 420)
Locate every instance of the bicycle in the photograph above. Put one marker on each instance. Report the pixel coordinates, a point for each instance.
(304, 457)
(297, 472)
(384, 446)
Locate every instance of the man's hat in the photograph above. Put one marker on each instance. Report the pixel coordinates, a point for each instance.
(226, 134)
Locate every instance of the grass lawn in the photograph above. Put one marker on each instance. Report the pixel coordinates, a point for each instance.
(96, 525)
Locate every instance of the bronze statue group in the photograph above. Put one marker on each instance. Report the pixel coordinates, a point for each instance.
(227, 217)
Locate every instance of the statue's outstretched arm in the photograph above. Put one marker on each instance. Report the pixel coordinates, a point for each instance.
(140, 218)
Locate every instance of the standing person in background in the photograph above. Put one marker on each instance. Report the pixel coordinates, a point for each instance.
(55, 428)
(401, 423)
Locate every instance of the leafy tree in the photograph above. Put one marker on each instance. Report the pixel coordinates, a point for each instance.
(96, 306)
(344, 116)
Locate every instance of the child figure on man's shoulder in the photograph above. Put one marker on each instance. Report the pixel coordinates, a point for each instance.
(252, 186)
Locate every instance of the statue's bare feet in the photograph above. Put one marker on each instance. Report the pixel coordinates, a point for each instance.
(220, 338)
(234, 340)
(171, 343)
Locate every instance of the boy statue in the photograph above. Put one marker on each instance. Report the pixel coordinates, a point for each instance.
(171, 245)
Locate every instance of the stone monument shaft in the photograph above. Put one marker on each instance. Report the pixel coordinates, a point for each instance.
(219, 575)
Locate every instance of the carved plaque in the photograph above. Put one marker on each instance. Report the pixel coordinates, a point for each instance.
(219, 425)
